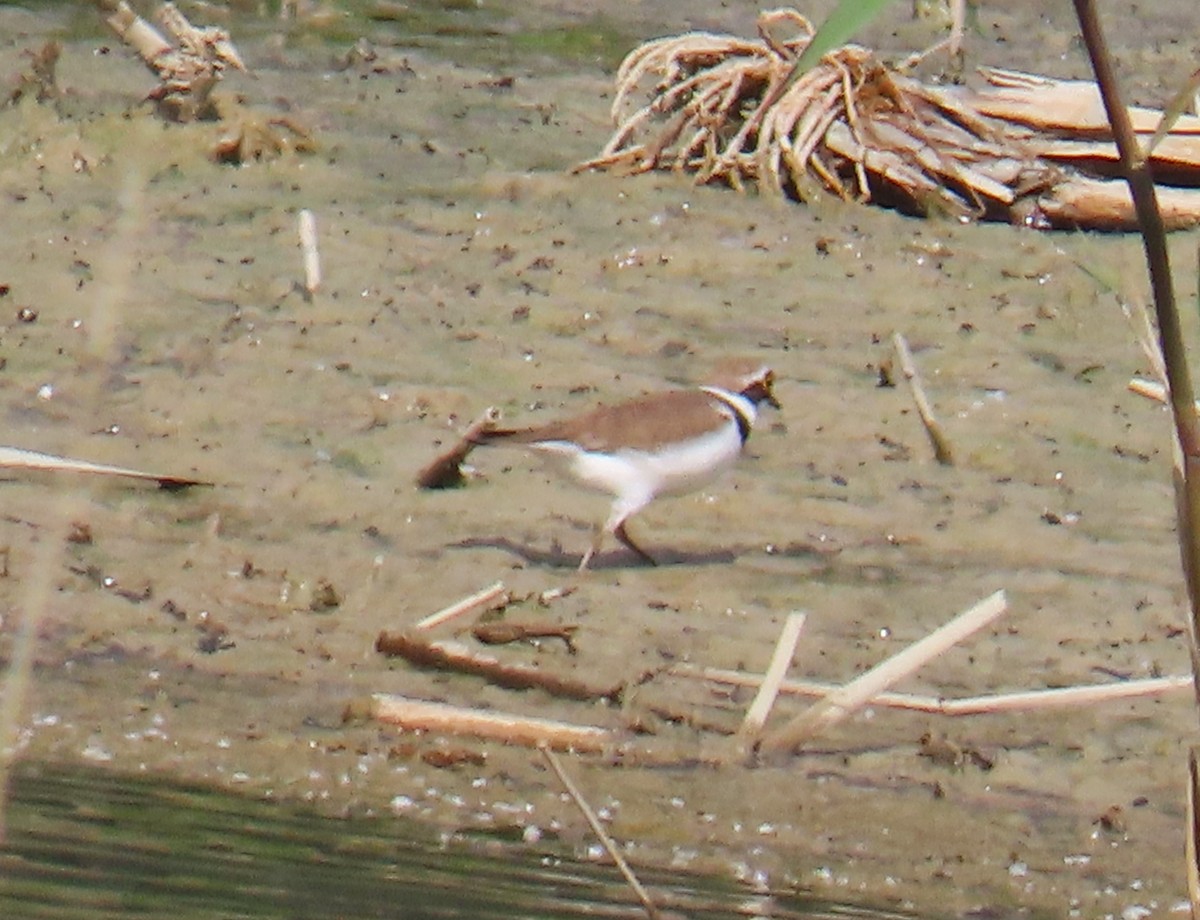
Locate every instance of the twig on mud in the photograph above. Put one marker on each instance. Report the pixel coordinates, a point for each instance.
(598, 829)
(941, 446)
(445, 471)
(756, 716)
(1054, 698)
(466, 605)
(422, 715)
(454, 656)
(860, 691)
(503, 632)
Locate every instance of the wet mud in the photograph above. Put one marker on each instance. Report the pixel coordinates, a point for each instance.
(153, 317)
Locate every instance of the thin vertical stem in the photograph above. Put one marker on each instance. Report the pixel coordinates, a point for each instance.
(1137, 172)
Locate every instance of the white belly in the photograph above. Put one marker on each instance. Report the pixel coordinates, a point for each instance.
(669, 471)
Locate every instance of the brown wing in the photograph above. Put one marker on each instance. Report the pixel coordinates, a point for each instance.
(640, 424)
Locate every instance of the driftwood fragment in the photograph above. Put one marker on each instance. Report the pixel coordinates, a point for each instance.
(445, 471)
(454, 656)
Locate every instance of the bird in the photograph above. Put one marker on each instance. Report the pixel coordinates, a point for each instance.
(667, 443)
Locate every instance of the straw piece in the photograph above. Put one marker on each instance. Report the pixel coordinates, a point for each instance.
(856, 694)
(768, 691)
(458, 608)
(941, 446)
(598, 829)
(423, 715)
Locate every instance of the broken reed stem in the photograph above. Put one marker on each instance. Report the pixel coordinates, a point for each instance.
(598, 829)
(466, 605)
(860, 691)
(1019, 701)
(768, 690)
(1136, 169)
(308, 246)
(422, 715)
(937, 437)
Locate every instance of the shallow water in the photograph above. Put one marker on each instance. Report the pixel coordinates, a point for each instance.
(88, 843)
(178, 634)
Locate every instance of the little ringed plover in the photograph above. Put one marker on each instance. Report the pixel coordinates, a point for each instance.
(666, 443)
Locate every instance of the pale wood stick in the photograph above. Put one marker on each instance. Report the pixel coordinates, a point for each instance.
(768, 690)
(937, 437)
(856, 694)
(972, 705)
(458, 608)
(803, 687)
(19, 458)
(423, 715)
(599, 831)
(308, 246)
(1061, 697)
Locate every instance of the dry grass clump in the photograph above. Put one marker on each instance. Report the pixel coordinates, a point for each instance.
(729, 110)
(1022, 148)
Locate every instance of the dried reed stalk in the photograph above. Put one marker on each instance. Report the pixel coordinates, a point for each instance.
(768, 690)
(937, 437)
(1024, 700)
(860, 691)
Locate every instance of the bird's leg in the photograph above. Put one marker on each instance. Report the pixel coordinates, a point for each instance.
(597, 540)
(621, 534)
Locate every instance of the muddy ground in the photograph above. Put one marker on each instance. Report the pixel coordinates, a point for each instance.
(184, 633)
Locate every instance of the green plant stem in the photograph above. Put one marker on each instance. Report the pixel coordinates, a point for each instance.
(1136, 167)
